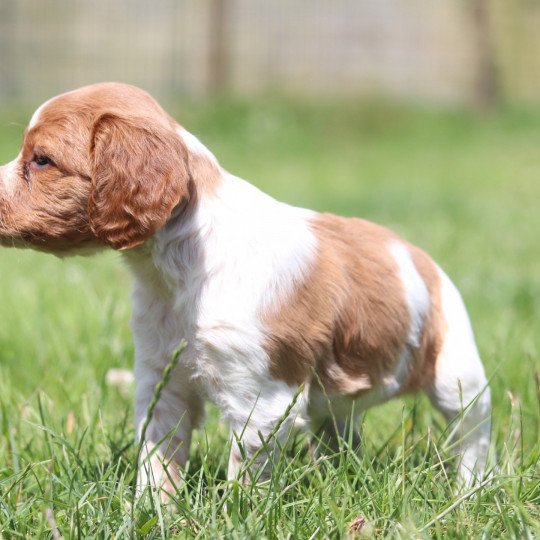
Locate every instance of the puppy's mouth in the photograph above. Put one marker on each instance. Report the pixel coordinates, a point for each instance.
(76, 244)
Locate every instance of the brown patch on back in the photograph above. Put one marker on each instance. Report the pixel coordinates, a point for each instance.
(348, 320)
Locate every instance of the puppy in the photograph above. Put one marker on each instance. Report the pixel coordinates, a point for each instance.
(290, 315)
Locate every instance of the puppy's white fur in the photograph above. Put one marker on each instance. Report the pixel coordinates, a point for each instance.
(215, 273)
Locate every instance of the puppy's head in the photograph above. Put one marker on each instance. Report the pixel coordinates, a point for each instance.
(99, 165)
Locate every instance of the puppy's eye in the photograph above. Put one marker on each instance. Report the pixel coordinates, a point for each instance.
(42, 161)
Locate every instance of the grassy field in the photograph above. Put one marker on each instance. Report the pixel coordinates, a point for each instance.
(465, 188)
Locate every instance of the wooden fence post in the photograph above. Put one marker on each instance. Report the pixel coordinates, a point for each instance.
(487, 89)
(218, 49)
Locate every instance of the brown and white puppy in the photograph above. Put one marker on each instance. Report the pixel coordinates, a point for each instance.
(270, 298)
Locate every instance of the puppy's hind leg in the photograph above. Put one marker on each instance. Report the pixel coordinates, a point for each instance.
(333, 422)
(460, 390)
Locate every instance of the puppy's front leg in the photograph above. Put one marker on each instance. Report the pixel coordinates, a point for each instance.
(261, 424)
(168, 435)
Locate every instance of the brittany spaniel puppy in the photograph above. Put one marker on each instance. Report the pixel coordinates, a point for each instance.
(290, 316)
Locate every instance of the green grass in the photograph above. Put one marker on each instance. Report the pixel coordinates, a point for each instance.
(463, 187)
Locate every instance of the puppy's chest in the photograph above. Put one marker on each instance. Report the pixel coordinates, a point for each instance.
(221, 332)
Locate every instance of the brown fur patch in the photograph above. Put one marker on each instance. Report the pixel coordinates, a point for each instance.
(118, 169)
(348, 320)
(139, 174)
(44, 205)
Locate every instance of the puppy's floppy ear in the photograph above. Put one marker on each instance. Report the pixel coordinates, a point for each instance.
(139, 174)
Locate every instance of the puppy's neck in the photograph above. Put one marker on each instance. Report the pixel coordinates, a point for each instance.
(173, 255)
(208, 231)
